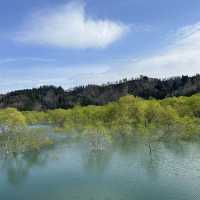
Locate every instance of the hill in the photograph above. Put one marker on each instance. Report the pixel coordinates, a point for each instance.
(51, 97)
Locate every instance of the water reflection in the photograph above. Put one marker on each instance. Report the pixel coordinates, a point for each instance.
(125, 169)
(18, 166)
(180, 149)
(96, 162)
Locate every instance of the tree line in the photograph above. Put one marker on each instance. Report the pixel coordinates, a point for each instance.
(51, 97)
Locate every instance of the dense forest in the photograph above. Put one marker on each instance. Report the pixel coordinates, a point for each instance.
(51, 97)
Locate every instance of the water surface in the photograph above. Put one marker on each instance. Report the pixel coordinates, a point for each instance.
(125, 171)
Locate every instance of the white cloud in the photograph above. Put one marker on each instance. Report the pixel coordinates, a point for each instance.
(180, 57)
(68, 26)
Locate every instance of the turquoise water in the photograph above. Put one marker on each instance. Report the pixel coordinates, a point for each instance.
(126, 171)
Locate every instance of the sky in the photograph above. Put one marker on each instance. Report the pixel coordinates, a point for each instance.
(79, 42)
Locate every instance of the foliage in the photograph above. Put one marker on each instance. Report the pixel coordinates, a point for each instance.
(34, 117)
(23, 141)
(50, 97)
(175, 117)
(15, 136)
(11, 119)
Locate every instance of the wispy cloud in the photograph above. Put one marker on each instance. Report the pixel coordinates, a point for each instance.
(68, 26)
(180, 57)
(42, 74)
(29, 59)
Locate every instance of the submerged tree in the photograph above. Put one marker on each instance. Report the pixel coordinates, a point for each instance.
(11, 120)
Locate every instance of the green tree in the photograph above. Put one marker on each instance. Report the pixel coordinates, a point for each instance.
(11, 120)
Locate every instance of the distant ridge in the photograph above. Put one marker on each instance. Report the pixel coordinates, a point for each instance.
(51, 97)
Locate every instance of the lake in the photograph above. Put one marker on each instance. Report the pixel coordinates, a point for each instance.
(124, 171)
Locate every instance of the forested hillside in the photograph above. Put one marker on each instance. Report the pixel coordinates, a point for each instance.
(51, 97)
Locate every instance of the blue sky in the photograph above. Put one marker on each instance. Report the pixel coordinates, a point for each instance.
(71, 43)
